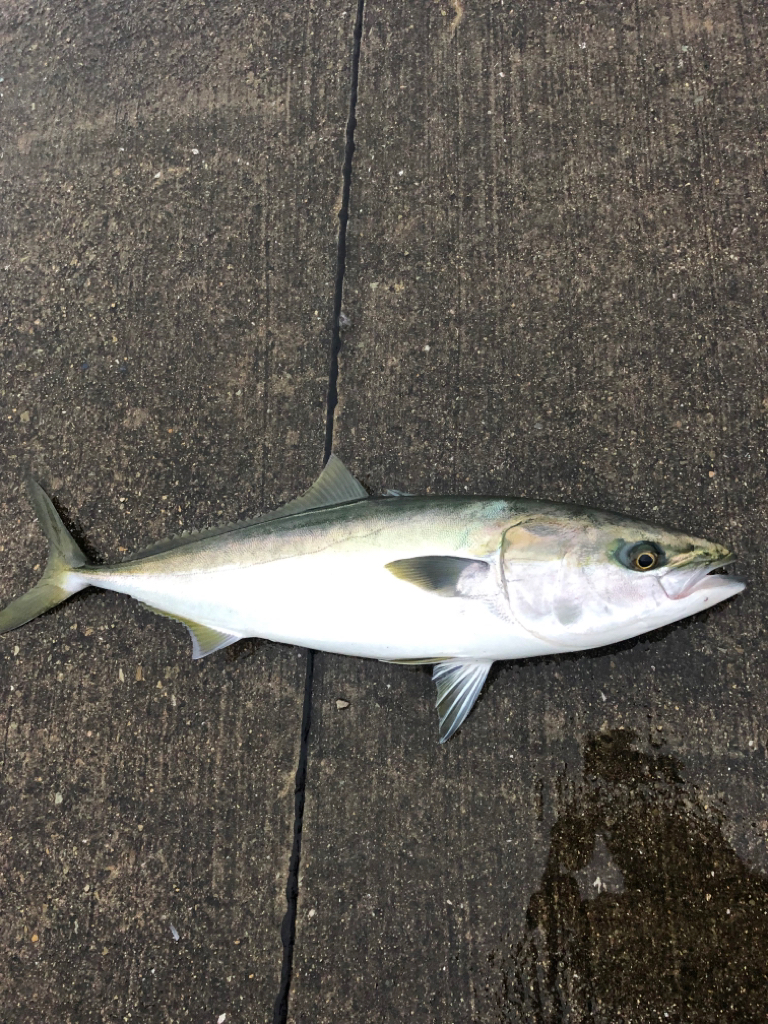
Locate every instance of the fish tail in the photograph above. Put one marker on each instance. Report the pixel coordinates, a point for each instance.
(60, 580)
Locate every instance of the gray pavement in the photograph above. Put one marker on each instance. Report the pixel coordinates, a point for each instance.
(554, 286)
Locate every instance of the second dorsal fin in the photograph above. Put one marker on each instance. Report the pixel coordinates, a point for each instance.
(334, 486)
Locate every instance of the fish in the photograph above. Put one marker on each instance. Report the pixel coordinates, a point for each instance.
(454, 582)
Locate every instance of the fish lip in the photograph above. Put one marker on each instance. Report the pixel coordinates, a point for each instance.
(700, 578)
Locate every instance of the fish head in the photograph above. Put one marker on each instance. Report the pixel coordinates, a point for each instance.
(578, 578)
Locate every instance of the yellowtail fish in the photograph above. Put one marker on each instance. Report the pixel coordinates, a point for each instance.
(455, 582)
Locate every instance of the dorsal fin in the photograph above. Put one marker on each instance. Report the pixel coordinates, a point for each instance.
(334, 486)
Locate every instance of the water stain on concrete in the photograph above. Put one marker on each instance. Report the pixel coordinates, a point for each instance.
(644, 912)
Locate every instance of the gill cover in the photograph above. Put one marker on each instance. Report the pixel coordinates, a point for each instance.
(544, 577)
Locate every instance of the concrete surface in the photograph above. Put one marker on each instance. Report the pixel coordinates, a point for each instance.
(169, 210)
(555, 286)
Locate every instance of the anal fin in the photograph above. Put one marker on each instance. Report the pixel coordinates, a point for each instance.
(205, 639)
(458, 686)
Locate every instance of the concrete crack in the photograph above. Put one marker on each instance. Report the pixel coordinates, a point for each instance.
(288, 928)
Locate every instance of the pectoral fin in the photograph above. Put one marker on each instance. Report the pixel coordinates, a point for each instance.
(446, 575)
(458, 686)
(205, 639)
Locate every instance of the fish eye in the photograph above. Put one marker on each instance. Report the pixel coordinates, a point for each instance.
(645, 560)
(643, 556)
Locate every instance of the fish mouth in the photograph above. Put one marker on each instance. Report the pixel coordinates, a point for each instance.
(680, 583)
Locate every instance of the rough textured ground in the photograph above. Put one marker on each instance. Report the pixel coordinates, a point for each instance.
(555, 286)
(170, 177)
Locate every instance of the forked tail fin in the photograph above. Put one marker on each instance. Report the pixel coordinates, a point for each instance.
(59, 581)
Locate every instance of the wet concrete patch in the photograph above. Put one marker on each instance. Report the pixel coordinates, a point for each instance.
(644, 911)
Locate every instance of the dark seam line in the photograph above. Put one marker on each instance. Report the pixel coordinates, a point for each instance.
(341, 252)
(288, 927)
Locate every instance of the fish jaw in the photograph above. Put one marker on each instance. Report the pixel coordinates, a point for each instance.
(682, 583)
(703, 591)
(691, 589)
